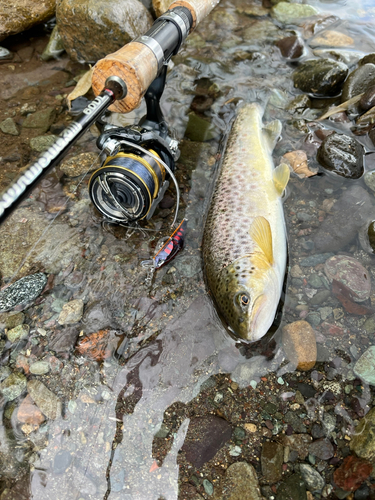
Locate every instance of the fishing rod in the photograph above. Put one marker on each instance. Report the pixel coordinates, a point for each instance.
(138, 160)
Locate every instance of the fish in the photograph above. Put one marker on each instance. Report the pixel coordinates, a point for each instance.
(244, 240)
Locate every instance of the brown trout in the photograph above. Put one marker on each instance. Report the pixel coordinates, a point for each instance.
(244, 242)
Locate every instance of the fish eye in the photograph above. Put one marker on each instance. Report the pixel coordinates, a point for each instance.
(245, 299)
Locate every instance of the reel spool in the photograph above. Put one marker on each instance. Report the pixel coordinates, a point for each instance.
(130, 184)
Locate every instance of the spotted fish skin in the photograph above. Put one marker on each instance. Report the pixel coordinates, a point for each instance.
(244, 267)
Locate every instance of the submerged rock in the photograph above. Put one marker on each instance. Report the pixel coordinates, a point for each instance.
(46, 401)
(18, 333)
(293, 488)
(368, 99)
(322, 448)
(29, 413)
(39, 368)
(13, 386)
(353, 209)
(342, 155)
(322, 77)
(299, 344)
(241, 483)
(312, 478)
(80, 164)
(330, 38)
(366, 236)
(22, 291)
(71, 312)
(352, 473)
(360, 80)
(365, 366)
(272, 461)
(348, 271)
(291, 47)
(20, 15)
(363, 441)
(91, 29)
(286, 12)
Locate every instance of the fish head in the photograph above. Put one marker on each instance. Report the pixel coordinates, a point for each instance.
(249, 298)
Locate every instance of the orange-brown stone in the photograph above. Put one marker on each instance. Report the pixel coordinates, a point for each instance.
(299, 344)
(29, 413)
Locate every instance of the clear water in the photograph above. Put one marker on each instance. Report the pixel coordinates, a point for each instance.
(167, 330)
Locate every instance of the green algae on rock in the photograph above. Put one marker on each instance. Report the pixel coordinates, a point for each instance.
(363, 441)
(18, 333)
(286, 12)
(13, 386)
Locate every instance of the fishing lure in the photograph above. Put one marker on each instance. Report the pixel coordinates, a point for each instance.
(171, 247)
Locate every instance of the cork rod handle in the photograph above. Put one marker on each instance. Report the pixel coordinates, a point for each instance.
(136, 63)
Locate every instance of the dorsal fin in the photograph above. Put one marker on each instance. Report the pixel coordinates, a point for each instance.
(281, 176)
(261, 233)
(272, 132)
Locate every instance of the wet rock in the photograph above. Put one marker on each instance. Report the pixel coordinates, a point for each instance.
(40, 120)
(80, 164)
(313, 480)
(352, 473)
(291, 47)
(348, 57)
(314, 260)
(39, 368)
(29, 413)
(363, 441)
(64, 340)
(293, 488)
(348, 271)
(20, 15)
(23, 291)
(8, 126)
(241, 483)
(272, 461)
(299, 104)
(252, 9)
(18, 333)
(369, 179)
(96, 346)
(71, 312)
(55, 46)
(13, 386)
(97, 316)
(353, 209)
(204, 438)
(320, 76)
(46, 401)
(188, 265)
(366, 236)
(11, 320)
(299, 344)
(369, 325)
(84, 26)
(365, 366)
(262, 30)
(360, 80)
(322, 448)
(299, 443)
(341, 155)
(291, 12)
(42, 142)
(331, 38)
(5, 54)
(368, 99)
(161, 6)
(61, 461)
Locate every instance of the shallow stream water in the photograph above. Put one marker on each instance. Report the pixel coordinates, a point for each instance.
(162, 359)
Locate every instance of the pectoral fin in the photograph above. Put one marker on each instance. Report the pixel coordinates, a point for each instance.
(281, 176)
(272, 132)
(261, 233)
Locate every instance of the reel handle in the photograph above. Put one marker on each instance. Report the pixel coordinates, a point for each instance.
(136, 63)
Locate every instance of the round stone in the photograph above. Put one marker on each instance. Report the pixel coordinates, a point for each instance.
(299, 344)
(360, 80)
(341, 155)
(351, 273)
(320, 76)
(40, 368)
(18, 333)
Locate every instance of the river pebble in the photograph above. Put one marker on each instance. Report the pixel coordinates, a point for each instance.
(29, 413)
(348, 271)
(11, 320)
(46, 401)
(291, 47)
(241, 483)
(293, 487)
(271, 461)
(42, 142)
(322, 448)
(359, 80)
(9, 127)
(18, 333)
(41, 120)
(291, 12)
(13, 386)
(364, 368)
(313, 480)
(39, 368)
(320, 76)
(299, 344)
(15, 17)
(331, 38)
(299, 443)
(342, 155)
(352, 473)
(71, 312)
